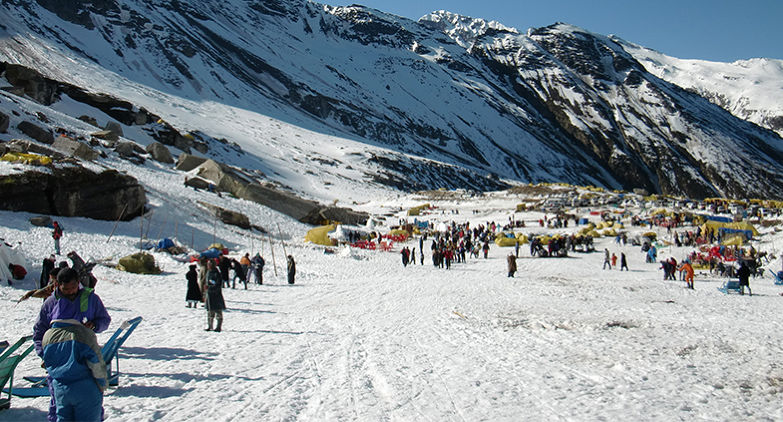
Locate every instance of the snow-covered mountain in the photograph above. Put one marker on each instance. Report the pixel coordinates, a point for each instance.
(749, 89)
(447, 101)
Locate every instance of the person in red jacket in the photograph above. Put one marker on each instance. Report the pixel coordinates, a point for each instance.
(57, 233)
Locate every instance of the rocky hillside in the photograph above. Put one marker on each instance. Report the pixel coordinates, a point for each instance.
(448, 101)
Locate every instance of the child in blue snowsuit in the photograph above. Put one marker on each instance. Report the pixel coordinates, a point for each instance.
(78, 373)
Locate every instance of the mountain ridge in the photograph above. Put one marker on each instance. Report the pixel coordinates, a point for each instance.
(535, 107)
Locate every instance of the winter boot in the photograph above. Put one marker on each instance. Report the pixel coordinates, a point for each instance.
(219, 325)
(209, 324)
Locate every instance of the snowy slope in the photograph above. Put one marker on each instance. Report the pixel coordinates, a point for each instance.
(749, 89)
(451, 101)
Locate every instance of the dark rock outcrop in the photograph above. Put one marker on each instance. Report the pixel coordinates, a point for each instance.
(232, 218)
(36, 132)
(5, 120)
(73, 192)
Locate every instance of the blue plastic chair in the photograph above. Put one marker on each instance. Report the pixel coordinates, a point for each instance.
(778, 280)
(109, 351)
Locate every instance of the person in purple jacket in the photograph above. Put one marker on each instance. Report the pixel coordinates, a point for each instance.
(69, 301)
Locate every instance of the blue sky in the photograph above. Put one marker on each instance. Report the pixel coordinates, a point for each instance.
(718, 30)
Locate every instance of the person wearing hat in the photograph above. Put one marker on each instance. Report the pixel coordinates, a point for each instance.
(193, 296)
(70, 301)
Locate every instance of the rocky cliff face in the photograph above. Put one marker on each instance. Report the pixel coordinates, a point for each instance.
(475, 99)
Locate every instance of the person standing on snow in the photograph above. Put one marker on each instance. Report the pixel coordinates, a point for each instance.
(258, 268)
(46, 267)
(69, 301)
(744, 278)
(688, 269)
(193, 296)
(57, 233)
(511, 260)
(623, 262)
(215, 303)
(607, 259)
(291, 265)
(74, 362)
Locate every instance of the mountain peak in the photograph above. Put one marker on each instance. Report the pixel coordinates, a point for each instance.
(463, 29)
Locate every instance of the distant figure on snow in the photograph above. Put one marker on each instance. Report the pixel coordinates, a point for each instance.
(291, 269)
(57, 233)
(193, 296)
(511, 260)
(215, 303)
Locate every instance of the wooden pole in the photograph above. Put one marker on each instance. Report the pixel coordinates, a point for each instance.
(117, 222)
(141, 230)
(160, 231)
(274, 264)
(149, 224)
(214, 227)
(192, 236)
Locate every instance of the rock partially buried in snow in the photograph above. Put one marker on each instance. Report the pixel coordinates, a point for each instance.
(160, 153)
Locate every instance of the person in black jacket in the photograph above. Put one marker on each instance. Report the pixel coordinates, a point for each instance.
(46, 268)
(744, 278)
(224, 264)
(193, 296)
(215, 303)
(291, 269)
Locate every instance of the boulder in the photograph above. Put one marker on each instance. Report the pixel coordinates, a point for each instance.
(5, 120)
(227, 216)
(160, 153)
(41, 221)
(114, 128)
(138, 263)
(331, 214)
(278, 200)
(187, 162)
(224, 177)
(74, 148)
(87, 119)
(130, 151)
(106, 135)
(197, 182)
(36, 132)
(35, 86)
(74, 192)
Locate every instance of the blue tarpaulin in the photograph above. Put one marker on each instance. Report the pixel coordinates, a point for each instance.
(165, 243)
(210, 253)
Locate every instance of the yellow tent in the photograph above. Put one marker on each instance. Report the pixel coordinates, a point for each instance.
(738, 240)
(522, 238)
(21, 157)
(417, 210)
(319, 235)
(503, 241)
(742, 225)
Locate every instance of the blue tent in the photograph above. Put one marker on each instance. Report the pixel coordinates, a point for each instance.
(210, 253)
(165, 243)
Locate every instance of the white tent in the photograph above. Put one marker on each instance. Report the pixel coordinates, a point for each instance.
(9, 255)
